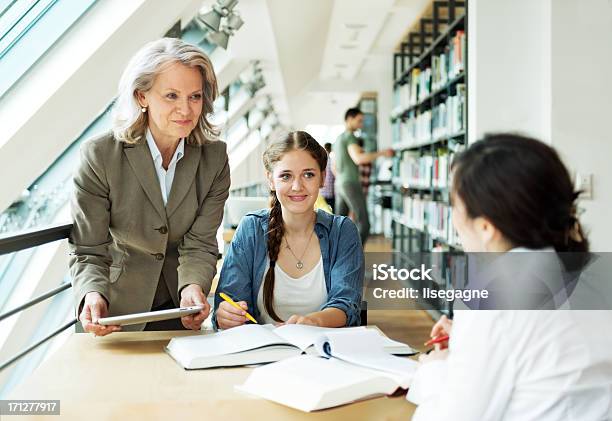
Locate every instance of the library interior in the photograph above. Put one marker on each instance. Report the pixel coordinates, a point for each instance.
(306, 209)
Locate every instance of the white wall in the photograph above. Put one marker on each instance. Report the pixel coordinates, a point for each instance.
(542, 67)
(582, 103)
(509, 67)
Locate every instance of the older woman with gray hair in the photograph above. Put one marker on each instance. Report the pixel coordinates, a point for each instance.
(148, 197)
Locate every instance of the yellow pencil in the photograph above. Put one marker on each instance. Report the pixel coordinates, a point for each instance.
(234, 304)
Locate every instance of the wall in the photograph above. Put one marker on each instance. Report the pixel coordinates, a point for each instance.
(542, 67)
(582, 102)
(509, 67)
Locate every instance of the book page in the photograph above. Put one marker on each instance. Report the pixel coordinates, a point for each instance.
(293, 382)
(237, 339)
(365, 349)
(304, 336)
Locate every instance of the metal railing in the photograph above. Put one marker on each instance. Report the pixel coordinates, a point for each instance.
(25, 240)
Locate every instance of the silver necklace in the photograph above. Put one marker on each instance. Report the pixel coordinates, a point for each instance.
(299, 264)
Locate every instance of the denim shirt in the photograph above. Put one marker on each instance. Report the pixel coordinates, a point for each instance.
(343, 263)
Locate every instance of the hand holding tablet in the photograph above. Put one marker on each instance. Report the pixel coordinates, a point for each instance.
(151, 316)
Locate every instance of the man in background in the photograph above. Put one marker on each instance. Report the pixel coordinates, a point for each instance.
(327, 191)
(348, 155)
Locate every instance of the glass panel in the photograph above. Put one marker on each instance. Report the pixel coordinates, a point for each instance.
(18, 19)
(28, 29)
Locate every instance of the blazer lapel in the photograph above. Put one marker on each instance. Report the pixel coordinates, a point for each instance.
(183, 177)
(141, 162)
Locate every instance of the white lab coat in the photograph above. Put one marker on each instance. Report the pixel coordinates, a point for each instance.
(520, 365)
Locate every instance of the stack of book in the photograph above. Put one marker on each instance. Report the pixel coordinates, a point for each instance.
(313, 368)
(349, 367)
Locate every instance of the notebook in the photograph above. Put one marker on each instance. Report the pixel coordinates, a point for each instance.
(255, 344)
(347, 367)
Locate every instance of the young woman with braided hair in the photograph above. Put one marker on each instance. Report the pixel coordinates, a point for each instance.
(290, 263)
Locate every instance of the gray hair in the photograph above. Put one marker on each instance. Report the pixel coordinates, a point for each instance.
(129, 123)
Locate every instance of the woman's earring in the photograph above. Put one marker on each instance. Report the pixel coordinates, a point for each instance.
(143, 109)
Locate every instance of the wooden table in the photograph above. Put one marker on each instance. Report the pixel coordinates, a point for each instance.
(128, 376)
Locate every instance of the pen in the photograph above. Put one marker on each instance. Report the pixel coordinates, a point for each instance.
(234, 304)
(436, 340)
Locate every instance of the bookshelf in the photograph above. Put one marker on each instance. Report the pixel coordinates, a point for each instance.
(429, 126)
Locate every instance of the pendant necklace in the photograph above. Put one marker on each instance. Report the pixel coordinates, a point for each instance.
(299, 264)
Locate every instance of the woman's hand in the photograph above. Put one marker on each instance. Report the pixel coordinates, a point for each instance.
(435, 355)
(192, 295)
(94, 308)
(228, 316)
(441, 328)
(296, 319)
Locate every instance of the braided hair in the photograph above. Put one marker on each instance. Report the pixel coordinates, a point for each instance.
(298, 140)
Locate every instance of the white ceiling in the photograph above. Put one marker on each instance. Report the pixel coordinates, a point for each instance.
(318, 56)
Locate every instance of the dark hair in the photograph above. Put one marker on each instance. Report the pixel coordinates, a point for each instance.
(522, 187)
(298, 140)
(351, 113)
(328, 147)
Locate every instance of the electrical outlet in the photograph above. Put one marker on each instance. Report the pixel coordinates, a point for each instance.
(584, 183)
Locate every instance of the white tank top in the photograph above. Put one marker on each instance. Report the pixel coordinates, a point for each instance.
(302, 295)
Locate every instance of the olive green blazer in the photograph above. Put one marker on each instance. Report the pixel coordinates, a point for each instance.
(124, 238)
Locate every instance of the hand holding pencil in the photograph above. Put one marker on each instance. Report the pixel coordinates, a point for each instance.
(440, 333)
(231, 314)
(439, 339)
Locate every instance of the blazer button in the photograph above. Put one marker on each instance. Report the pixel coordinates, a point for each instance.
(159, 256)
(163, 230)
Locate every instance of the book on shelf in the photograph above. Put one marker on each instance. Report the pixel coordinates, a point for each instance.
(421, 83)
(413, 86)
(457, 54)
(445, 119)
(255, 344)
(440, 169)
(439, 66)
(426, 171)
(450, 63)
(414, 170)
(432, 216)
(347, 367)
(448, 117)
(424, 81)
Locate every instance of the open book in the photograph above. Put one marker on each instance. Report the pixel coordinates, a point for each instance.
(254, 344)
(350, 367)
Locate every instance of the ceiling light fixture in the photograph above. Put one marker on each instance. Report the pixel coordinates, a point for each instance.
(212, 19)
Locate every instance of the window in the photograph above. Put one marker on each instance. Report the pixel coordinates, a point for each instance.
(28, 28)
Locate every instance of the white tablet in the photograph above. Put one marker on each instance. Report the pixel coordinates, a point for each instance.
(151, 316)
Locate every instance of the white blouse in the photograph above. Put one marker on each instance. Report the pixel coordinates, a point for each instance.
(302, 295)
(520, 365)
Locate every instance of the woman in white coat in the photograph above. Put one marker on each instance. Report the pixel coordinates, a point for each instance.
(512, 193)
